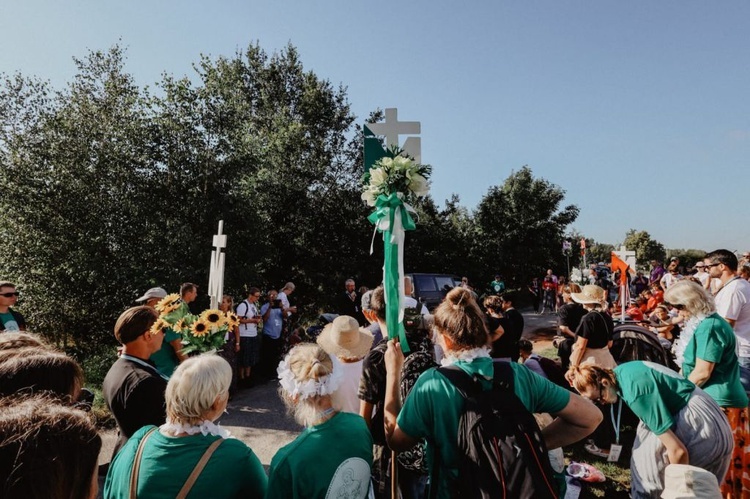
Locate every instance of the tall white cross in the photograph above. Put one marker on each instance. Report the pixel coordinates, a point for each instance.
(216, 275)
(392, 128)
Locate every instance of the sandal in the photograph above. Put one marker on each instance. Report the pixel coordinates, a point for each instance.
(593, 449)
(585, 472)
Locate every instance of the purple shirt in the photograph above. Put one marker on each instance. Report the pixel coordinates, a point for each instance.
(656, 274)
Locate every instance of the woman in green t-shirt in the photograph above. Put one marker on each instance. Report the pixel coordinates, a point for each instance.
(168, 461)
(680, 423)
(707, 353)
(433, 408)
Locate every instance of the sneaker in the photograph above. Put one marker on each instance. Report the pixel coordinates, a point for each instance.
(592, 449)
(585, 472)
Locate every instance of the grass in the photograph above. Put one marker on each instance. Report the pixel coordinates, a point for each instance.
(617, 484)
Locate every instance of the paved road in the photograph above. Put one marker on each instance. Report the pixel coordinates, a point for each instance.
(257, 415)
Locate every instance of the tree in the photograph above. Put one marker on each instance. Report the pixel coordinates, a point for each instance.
(646, 248)
(108, 190)
(519, 227)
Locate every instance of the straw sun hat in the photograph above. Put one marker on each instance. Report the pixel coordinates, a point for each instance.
(344, 338)
(590, 293)
(682, 481)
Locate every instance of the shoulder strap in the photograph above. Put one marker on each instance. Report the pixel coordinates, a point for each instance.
(247, 308)
(137, 464)
(199, 468)
(467, 385)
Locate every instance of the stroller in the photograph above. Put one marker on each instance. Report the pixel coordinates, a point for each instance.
(633, 342)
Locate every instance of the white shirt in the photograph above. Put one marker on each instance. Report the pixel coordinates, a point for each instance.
(702, 277)
(733, 303)
(345, 397)
(668, 279)
(247, 310)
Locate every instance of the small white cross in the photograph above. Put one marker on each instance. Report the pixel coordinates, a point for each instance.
(627, 257)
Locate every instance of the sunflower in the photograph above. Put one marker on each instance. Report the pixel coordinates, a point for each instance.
(232, 320)
(159, 325)
(214, 317)
(169, 303)
(200, 328)
(179, 325)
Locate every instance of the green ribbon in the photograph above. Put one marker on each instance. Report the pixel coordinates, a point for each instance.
(392, 218)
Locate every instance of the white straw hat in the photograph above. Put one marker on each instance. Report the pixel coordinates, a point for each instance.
(591, 293)
(683, 481)
(344, 338)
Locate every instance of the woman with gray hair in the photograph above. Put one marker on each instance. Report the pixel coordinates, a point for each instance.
(188, 454)
(332, 456)
(707, 354)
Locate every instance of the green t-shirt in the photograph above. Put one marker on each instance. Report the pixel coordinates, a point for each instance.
(165, 359)
(434, 406)
(714, 341)
(329, 460)
(9, 322)
(166, 463)
(653, 392)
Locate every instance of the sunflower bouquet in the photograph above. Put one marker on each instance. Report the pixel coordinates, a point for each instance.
(200, 333)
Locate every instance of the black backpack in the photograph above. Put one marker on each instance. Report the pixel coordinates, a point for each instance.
(501, 450)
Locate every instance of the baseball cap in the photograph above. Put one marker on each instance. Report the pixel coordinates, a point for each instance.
(152, 293)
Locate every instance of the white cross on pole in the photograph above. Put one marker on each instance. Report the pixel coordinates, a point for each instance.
(627, 257)
(392, 128)
(216, 275)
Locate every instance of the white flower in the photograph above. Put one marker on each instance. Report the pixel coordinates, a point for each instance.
(378, 177)
(419, 185)
(370, 196)
(387, 163)
(401, 163)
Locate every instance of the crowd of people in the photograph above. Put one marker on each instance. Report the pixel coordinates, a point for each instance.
(382, 418)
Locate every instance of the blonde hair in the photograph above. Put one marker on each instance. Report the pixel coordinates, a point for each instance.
(195, 386)
(692, 296)
(587, 375)
(16, 340)
(307, 362)
(460, 318)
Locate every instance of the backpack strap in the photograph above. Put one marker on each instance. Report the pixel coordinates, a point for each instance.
(199, 468)
(137, 464)
(467, 384)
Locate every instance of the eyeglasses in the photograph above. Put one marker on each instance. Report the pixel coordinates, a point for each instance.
(10, 295)
(709, 265)
(678, 306)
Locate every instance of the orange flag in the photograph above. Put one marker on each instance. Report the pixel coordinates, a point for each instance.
(618, 264)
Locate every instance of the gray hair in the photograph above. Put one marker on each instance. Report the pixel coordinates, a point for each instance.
(692, 296)
(366, 300)
(288, 286)
(195, 386)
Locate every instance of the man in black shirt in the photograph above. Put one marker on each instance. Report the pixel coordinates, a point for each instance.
(349, 302)
(133, 387)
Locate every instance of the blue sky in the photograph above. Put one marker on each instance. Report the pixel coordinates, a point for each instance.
(639, 110)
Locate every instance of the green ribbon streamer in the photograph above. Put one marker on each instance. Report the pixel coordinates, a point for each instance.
(386, 207)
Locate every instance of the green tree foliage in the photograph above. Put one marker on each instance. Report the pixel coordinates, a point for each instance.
(646, 248)
(519, 227)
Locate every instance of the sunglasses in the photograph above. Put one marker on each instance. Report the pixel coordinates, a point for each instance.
(10, 295)
(709, 265)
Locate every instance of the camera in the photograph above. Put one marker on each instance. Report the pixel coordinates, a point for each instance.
(276, 303)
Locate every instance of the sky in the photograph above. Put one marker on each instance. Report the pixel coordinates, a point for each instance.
(638, 110)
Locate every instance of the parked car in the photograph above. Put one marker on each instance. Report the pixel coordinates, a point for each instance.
(430, 289)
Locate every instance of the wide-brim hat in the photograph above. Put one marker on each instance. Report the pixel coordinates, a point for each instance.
(152, 293)
(344, 338)
(591, 293)
(683, 481)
